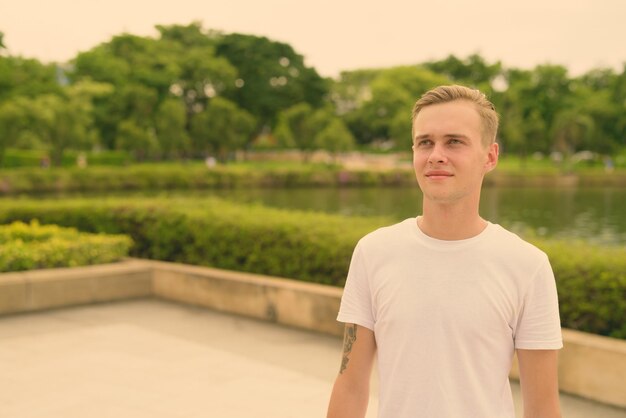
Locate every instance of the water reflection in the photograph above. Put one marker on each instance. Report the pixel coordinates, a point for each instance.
(595, 215)
(592, 214)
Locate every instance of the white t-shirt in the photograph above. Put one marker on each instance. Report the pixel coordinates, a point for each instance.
(448, 315)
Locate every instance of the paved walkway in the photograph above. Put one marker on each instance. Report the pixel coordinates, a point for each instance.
(157, 359)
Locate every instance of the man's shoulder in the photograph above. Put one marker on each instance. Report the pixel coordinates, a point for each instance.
(512, 245)
(388, 234)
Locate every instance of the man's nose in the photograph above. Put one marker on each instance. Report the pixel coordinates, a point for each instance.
(437, 155)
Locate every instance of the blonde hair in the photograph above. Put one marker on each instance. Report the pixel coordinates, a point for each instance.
(444, 94)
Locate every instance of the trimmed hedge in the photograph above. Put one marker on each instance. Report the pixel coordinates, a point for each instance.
(14, 158)
(197, 176)
(310, 246)
(592, 286)
(190, 176)
(33, 246)
(213, 232)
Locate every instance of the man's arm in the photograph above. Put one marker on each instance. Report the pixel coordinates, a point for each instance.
(351, 390)
(539, 381)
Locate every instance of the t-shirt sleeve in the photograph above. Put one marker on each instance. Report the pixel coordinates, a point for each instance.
(539, 324)
(356, 302)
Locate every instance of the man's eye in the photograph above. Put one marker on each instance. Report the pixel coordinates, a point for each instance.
(455, 141)
(424, 143)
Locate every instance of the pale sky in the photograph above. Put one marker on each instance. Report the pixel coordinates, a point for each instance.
(344, 34)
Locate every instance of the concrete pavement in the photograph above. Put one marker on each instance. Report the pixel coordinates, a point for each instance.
(150, 358)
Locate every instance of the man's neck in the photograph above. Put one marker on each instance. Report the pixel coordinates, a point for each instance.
(450, 223)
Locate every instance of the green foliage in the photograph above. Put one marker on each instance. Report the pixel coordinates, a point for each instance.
(126, 88)
(296, 127)
(62, 123)
(137, 102)
(13, 123)
(170, 127)
(56, 122)
(570, 130)
(145, 72)
(272, 76)
(473, 71)
(213, 232)
(307, 129)
(140, 141)
(592, 286)
(542, 110)
(16, 158)
(335, 137)
(191, 176)
(391, 92)
(33, 246)
(312, 247)
(26, 77)
(221, 128)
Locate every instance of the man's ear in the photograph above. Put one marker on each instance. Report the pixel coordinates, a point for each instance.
(492, 157)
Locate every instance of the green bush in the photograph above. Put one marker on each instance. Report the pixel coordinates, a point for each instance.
(311, 246)
(307, 246)
(196, 175)
(14, 158)
(33, 246)
(188, 176)
(592, 286)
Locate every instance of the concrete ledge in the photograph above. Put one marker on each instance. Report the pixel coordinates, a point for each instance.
(52, 288)
(590, 366)
(305, 305)
(603, 371)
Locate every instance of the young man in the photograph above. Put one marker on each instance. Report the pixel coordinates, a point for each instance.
(443, 300)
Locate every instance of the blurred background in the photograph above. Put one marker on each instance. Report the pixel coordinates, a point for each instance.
(300, 114)
(268, 137)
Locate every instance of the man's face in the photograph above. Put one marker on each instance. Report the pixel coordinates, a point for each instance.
(449, 157)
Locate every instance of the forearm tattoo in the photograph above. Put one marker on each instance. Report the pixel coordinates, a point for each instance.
(348, 340)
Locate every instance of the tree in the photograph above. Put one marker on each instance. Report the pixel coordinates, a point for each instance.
(202, 77)
(596, 95)
(221, 128)
(145, 71)
(529, 106)
(272, 76)
(393, 91)
(138, 140)
(62, 123)
(619, 98)
(13, 122)
(296, 128)
(132, 101)
(400, 130)
(335, 138)
(171, 119)
(26, 77)
(473, 70)
(56, 122)
(352, 89)
(189, 36)
(570, 130)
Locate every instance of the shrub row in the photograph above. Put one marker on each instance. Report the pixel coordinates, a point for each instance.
(592, 286)
(35, 158)
(312, 247)
(198, 176)
(189, 176)
(213, 232)
(32, 246)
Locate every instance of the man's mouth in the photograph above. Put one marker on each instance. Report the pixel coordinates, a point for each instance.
(437, 175)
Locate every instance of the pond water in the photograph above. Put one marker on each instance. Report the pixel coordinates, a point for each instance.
(595, 215)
